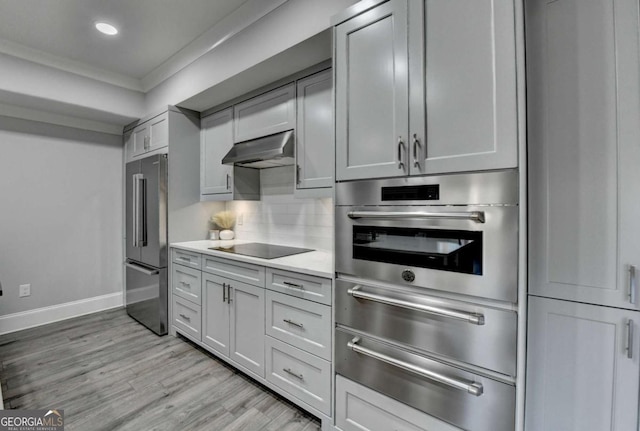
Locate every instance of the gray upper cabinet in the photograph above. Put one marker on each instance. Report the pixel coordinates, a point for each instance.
(426, 87)
(580, 373)
(146, 137)
(216, 140)
(372, 93)
(263, 115)
(583, 109)
(463, 112)
(314, 134)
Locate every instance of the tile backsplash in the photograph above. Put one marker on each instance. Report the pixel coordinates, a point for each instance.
(279, 218)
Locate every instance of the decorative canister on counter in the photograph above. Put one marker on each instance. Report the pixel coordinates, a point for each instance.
(226, 234)
(225, 220)
(214, 234)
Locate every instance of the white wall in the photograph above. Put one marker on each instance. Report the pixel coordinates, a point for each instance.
(279, 218)
(60, 214)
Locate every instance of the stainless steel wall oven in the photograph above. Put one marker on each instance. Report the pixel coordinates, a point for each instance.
(427, 272)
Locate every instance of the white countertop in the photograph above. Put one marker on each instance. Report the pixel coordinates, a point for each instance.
(318, 262)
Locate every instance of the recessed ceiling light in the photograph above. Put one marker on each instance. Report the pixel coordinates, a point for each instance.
(105, 28)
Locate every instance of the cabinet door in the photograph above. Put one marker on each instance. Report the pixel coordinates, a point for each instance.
(215, 313)
(140, 140)
(263, 115)
(247, 326)
(583, 108)
(463, 86)
(314, 134)
(372, 94)
(580, 375)
(216, 140)
(158, 132)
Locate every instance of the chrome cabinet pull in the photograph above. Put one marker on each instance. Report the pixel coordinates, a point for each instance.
(229, 294)
(291, 322)
(227, 181)
(224, 292)
(293, 285)
(298, 174)
(472, 388)
(416, 163)
(474, 318)
(629, 347)
(632, 284)
(476, 216)
(185, 284)
(184, 259)
(296, 375)
(188, 319)
(400, 148)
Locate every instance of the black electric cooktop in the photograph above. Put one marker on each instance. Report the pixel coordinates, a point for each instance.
(261, 250)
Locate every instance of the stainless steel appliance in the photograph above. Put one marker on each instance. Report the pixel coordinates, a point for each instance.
(426, 281)
(146, 242)
(262, 250)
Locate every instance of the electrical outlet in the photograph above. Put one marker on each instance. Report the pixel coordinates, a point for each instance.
(240, 219)
(25, 290)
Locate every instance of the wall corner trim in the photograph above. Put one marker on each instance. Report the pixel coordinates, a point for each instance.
(55, 313)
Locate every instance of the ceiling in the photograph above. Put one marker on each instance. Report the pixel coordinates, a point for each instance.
(151, 31)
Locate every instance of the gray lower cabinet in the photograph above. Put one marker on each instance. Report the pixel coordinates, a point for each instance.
(583, 367)
(186, 317)
(583, 91)
(425, 87)
(247, 325)
(314, 132)
(216, 139)
(215, 316)
(359, 408)
(233, 321)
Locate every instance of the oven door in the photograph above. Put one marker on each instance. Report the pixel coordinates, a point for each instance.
(471, 250)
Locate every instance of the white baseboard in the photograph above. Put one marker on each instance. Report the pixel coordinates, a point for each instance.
(55, 313)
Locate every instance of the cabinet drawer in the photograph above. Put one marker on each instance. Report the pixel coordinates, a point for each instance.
(309, 287)
(186, 258)
(303, 324)
(301, 374)
(239, 271)
(186, 283)
(359, 408)
(186, 317)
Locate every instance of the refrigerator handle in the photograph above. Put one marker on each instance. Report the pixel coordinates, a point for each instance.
(135, 216)
(142, 217)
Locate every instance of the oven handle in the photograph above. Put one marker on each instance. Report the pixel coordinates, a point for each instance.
(476, 216)
(474, 318)
(472, 388)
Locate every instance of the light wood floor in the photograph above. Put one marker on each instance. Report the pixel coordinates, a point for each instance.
(107, 372)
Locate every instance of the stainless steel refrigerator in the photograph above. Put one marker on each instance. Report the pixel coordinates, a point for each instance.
(146, 242)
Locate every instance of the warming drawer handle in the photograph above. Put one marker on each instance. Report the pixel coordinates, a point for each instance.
(476, 216)
(141, 269)
(472, 388)
(474, 318)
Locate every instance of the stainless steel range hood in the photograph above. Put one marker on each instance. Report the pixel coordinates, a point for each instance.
(265, 152)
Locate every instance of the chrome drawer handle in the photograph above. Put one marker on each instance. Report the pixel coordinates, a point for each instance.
(188, 319)
(476, 216)
(185, 284)
(296, 375)
(632, 284)
(184, 259)
(291, 322)
(474, 318)
(472, 388)
(293, 285)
